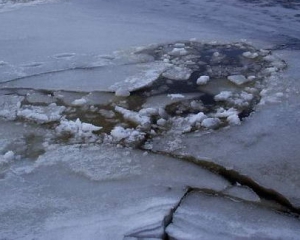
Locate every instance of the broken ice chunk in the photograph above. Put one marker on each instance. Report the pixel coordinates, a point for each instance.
(223, 96)
(176, 96)
(122, 93)
(250, 55)
(202, 80)
(129, 135)
(178, 73)
(8, 156)
(134, 116)
(238, 79)
(234, 119)
(76, 128)
(9, 106)
(211, 123)
(79, 102)
(39, 114)
(178, 52)
(196, 118)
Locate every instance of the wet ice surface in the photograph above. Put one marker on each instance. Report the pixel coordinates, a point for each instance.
(79, 100)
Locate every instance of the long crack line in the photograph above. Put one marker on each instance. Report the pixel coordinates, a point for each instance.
(235, 177)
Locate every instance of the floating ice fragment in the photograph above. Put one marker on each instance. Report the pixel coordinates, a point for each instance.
(39, 114)
(9, 105)
(76, 128)
(122, 93)
(250, 55)
(234, 120)
(178, 52)
(161, 122)
(178, 73)
(202, 80)
(179, 45)
(133, 116)
(223, 96)
(129, 135)
(8, 156)
(211, 123)
(176, 96)
(196, 118)
(238, 79)
(79, 102)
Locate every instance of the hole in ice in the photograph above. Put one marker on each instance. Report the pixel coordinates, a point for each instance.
(202, 86)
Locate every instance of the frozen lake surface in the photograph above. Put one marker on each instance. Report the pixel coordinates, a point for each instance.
(134, 119)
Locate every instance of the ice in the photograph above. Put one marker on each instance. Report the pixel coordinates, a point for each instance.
(176, 96)
(250, 55)
(177, 73)
(8, 156)
(238, 79)
(122, 93)
(81, 188)
(99, 190)
(51, 113)
(216, 217)
(135, 117)
(202, 80)
(223, 96)
(128, 135)
(76, 128)
(79, 102)
(10, 106)
(210, 122)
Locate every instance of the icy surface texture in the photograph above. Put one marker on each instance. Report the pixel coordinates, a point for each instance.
(213, 217)
(90, 90)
